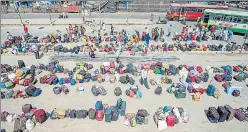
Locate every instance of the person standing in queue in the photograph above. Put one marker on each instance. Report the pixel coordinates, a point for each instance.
(25, 29)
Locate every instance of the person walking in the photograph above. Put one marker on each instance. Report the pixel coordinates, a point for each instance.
(169, 31)
(230, 35)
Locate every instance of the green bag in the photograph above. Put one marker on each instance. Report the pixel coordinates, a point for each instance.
(133, 122)
(180, 95)
(9, 84)
(156, 71)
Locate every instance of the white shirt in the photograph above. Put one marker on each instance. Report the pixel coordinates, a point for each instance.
(143, 73)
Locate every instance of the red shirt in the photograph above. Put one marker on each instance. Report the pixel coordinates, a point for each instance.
(25, 29)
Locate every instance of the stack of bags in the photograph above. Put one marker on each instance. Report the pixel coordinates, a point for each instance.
(213, 91)
(168, 117)
(230, 89)
(178, 89)
(133, 92)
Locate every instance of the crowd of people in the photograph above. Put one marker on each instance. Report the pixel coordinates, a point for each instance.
(78, 33)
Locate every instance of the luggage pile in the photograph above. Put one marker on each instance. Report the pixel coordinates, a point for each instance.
(196, 74)
(213, 91)
(132, 119)
(178, 89)
(242, 76)
(57, 90)
(226, 113)
(27, 120)
(134, 92)
(168, 117)
(231, 89)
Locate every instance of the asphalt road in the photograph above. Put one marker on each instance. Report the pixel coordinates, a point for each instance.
(79, 15)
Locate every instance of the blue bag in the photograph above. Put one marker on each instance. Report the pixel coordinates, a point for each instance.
(166, 109)
(55, 81)
(61, 81)
(52, 115)
(81, 81)
(206, 77)
(162, 72)
(139, 95)
(210, 90)
(188, 80)
(2, 85)
(173, 71)
(118, 104)
(224, 76)
(108, 115)
(37, 92)
(93, 78)
(73, 82)
(123, 108)
(99, 105)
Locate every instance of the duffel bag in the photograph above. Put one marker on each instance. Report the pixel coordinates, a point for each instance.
(131, 81)
(117, 91)
(95, 91)
(158, 90)
(26, 108)
(30, 90)
(37, 92)
(57, 90)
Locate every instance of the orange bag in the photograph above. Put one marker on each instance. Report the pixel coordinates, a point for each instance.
(19, 73)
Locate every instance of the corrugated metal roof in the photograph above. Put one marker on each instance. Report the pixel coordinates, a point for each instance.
(227, 12)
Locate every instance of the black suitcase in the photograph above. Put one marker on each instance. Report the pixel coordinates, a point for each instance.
(212, 112)
(223, 113)
(21, 64)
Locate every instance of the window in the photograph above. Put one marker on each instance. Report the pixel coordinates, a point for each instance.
(234, 19)
(228, 18)
(200, 10)
(239, 20)
(187, 9)
(211, 16)
(193, 9)
(219, 17)
(245, 20)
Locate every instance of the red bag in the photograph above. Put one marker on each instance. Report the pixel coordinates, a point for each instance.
(26, 82)
(16, 80)
(99, 115)
(121, 71)
(112, 64)
(236, 68)
(106, 49)
(218, 78)
(200, 90)
(170, 119)
(107, 39)
(199, 69)
(106, 69)
(193, 78)
(44, 79)
(40, 116)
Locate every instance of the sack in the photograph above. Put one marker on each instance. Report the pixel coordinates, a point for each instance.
(112, 79)
(21, 64)
(57, 90)
(40, 116)
(99, 105)
(231, 112)
(108, 115)
(30, 90)
(162, 125)
(95, 91)
(37, 92)
(26, 108)
(92, 113)
(117, 91)
(99, 115)
(59, 113)
(29, 125)
(239, 115)
(133, 122)
(72, 114)
(4, 115)
(81, 114)
(158, 90)
(123, 108)
(115, 114)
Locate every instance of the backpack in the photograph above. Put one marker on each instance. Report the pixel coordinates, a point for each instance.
(140, 119)
(158, 90)
(123, 108)
(142, 113)
(72, 114)
(139, 95)
(26, 108)
(37, 92)
(102, 91)
(131, 81)
(57, 90)
(30, 90)
(118, 104)
(108, 115)
(95, 91)
(72, 82)
(81, 114)
(99, 115)
(117, 91)
(99, 106)
(92, 113)
(115, 114)
(40, 116)
(64, 89)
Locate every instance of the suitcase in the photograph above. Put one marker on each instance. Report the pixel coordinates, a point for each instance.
(239, 115)
(231, 112)
(223, 113)
(170, 119)
(99, 115)
(213, 115)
